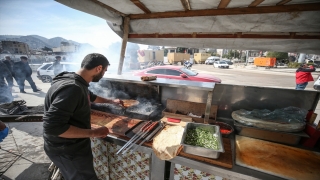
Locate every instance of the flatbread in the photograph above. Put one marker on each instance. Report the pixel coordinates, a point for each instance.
(166, 144)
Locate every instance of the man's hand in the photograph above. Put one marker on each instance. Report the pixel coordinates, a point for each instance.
(118, 101)
(101, 132)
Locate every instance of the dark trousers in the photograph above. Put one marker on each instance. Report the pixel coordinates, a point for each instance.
(75, 167)
(21, 79)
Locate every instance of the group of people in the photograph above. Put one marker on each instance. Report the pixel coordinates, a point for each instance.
(20, 72)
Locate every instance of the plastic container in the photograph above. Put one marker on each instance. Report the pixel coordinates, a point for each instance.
(224, 127)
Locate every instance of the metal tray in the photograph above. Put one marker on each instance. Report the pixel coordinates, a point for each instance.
(201, 151)
(274, 136)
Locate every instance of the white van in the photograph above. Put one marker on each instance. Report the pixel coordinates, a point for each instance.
(211, 60)
(45, 71)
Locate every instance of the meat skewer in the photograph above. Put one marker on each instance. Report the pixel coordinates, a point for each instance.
(135, 136)
(146, 131)
(148, 137)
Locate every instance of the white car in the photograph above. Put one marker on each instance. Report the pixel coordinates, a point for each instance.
(211, 60)
(220, 64)
(45, 71)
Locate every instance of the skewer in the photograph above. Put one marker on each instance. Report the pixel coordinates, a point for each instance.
(147, 130)
(135, 136)
(148, 137)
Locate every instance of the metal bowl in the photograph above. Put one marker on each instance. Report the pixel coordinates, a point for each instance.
(201, 151)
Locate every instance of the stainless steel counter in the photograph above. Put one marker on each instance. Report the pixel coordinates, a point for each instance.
(162, 82)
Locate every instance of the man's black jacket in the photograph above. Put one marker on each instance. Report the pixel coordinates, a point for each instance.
(67, 102)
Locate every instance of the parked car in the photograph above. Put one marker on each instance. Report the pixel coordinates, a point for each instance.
(211, 60)
(178, 73)
(228, 62)
(45, 71)
(220, 64)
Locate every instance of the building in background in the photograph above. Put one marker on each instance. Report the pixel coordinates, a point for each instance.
(14, 47)
(65, 47)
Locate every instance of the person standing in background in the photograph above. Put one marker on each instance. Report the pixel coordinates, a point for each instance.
(303, 76)
(23, 72)
(57, 67)
(9, 63)
(5, 89)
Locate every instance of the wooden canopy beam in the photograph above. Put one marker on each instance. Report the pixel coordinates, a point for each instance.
(230, 11)
(186, 5)
(223, 4)
(141, 6)
(291, 35)
(255, 3)
(283, 2)
(108, 7)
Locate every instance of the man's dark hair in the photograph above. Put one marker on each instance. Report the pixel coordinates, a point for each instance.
(24, 58)
(93, 60)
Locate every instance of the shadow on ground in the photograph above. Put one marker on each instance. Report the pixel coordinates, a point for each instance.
(37, 171)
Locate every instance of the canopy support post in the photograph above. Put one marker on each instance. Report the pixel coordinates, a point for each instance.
(124, 43)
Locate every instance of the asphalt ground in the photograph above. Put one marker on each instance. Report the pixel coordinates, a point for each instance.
(22, 156)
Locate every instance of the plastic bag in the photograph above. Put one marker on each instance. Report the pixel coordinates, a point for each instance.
(289, 119)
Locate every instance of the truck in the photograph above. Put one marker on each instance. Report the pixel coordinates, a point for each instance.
(265, 61)
(176, 58)
(200, 58)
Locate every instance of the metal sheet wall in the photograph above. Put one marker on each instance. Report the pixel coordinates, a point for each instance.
(232, 97)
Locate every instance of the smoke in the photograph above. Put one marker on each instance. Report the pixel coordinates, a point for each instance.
(112, 53)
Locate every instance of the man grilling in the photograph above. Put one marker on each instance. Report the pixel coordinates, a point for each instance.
(66, 121)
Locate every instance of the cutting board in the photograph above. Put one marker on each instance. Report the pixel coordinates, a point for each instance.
(224, 160)
(115, 123)
(277, 159)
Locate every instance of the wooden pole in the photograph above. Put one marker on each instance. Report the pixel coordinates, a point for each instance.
(124, 43)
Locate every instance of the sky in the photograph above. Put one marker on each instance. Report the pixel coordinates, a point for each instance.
(51, 19)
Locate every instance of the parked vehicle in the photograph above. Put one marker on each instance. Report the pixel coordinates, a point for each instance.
(187, 64)
(211, 60)
(45, 71)
(220, 64)
(178, 73)
(228, 62)
(265, 61)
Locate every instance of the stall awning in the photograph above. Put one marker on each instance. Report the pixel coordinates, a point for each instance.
(278, 25)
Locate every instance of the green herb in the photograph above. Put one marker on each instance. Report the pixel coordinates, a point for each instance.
(201, 137)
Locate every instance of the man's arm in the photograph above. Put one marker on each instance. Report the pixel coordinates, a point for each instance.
(97, 99)
(111, 101)
(311, 69)
(75, 132)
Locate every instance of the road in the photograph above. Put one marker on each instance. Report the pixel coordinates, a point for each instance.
(278, 78)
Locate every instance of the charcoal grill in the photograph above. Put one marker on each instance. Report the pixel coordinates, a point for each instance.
(143, 111)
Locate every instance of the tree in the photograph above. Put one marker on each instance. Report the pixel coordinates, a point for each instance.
(231, 54)
(182, 49)
(46, 49)
(278, 55)
(165, 52)
(215, 54)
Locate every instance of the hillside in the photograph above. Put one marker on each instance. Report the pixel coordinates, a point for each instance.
(37, 42)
